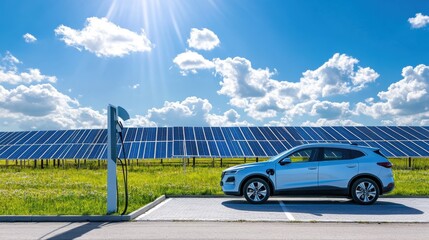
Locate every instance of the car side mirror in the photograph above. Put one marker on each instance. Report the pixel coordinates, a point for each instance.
(285, 161)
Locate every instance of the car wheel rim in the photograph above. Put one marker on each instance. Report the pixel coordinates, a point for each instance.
(366, 192)
(256, 191)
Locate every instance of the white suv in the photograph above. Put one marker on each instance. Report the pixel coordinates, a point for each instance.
(361, 173)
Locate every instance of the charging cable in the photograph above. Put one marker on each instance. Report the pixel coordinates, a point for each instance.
(124, 166)
(124, 173)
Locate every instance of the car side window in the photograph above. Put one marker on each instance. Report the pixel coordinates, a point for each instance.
(336, 154)
(356, 154)
(304, 155)
(341, 154)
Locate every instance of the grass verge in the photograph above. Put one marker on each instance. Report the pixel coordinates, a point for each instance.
(76, 192)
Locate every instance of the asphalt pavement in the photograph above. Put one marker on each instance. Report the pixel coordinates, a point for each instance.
(213, 230)
(392, 210)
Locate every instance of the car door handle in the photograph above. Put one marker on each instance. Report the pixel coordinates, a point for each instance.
(312, 168)
(351, 166)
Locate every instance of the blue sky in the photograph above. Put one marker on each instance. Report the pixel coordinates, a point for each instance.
(213, 63)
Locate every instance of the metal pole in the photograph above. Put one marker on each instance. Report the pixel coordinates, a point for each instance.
(111, 160)
(184, 165)
(113, 127)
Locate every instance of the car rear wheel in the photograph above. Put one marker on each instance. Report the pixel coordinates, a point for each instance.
(256, 191)
(365, 191)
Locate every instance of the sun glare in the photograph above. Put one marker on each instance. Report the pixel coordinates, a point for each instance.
(167, 25)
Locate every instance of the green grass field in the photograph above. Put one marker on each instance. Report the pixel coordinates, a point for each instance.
(71, 191)
(83, 191)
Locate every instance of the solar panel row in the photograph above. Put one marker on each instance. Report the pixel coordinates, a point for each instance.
(168, 142)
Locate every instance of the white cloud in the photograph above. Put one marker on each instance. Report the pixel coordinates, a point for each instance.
(28, 38)
(405, 102)
(190, 61)
(35, 100)
(331, 122)
(192, 111)
(9, 72)
(104, 38)
(284, 121)
(229, 118)
(262, 97)
(42, 106)
(139, 121)
(330, 110)
(419, 21)
(203, 39)
(240, 79)
(8, 62)
(336, 76)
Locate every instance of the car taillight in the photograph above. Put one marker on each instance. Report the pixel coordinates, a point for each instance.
(385, 164)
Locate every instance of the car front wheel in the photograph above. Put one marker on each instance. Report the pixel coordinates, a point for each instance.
(365, 191)
(256, 191)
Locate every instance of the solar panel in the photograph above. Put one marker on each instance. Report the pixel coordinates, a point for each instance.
(96, 151)
(256, 148)
(203, 149)
(223, 149)
(421, 151)
(217, 133)
(161, 134)
(151, 134)
(142, 146)
(303, 134)
(268, 133)
(235, 148)
(415, 132)
(65, 136)
(191, 148)
(170, 142)
(178, 134)
(130, 134)
(381, 134)
(178, 149)
(21, 138)
(294, 133)
(161, 150)
(337, 136)
(248, 135)
(278, 146)
(347, 135)
(149, 150)
(227, 134)
(311, 132)
(199, 134)
(258, 135)
(214, 152)
(360, 135)
(189, 133)
(268, 149)
(237, 134)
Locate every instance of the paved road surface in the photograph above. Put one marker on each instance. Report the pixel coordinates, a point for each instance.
(392, 210)
(214, 230)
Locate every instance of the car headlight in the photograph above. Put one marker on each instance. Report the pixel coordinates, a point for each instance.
(230, 172)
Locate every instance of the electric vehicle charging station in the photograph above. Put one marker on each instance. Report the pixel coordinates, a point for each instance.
(114, 127)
